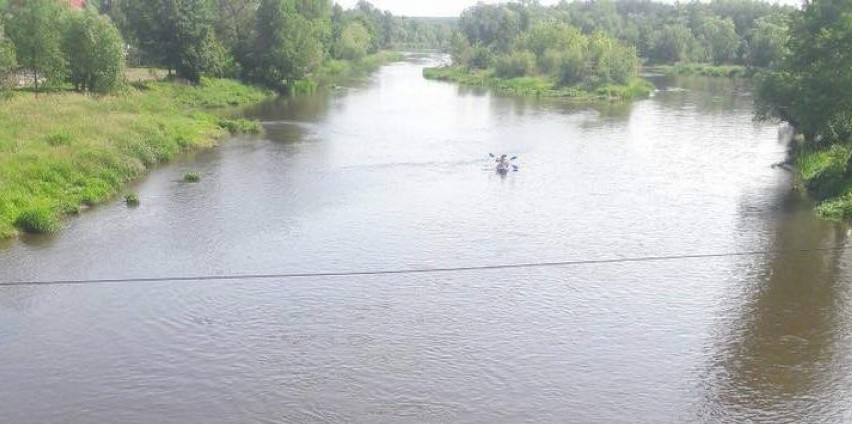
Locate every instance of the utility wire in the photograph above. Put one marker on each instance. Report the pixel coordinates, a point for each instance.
(412, 271)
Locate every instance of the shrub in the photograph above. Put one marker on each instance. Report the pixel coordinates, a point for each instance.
(517, 64)
(132, 199)
(235, 126)
(191, 177)
(38, 220)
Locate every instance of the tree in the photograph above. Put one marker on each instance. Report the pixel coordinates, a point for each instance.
(177, 34)
(720, 38)
(95, 52)
(354, 41)
(811, 87)
(490, 25)
(35, 28)
(285, 48)
(671, 44)
(7, 57)
(767, 42)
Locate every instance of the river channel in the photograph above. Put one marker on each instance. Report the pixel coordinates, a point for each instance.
(391, 172)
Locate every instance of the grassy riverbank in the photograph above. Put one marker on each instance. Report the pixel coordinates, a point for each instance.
(537, 85)
(335, 71)
(704, 69)
(61, 151)
(823, 173)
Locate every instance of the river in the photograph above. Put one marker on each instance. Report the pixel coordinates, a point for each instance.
(392, 172)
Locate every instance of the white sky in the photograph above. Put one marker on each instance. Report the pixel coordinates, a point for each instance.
(435, 8)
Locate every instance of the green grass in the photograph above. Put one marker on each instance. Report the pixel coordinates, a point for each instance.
(132, 199)
(191, 177)
(706, 69)
(61, 150)
(822, 173)
(334, 71)
(536, 85)
(240, 125)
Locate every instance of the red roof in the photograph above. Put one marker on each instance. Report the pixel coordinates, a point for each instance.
(77, 3)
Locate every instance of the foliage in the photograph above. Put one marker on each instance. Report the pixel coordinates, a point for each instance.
(7, 58)
(355, 41)
(94, 49)
(811, 87)
(767, 41)
(285, 49)
(131, 199)
(551, 51)
(240, 125)
(176, 34)
(38, 220)
(35, 27)
(720, 37)
(54, 156)
(191, 177)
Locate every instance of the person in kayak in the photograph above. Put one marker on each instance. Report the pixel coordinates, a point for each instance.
(502, 162)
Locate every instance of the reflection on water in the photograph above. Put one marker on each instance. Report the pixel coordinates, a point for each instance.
(392, 171)
(781, 354)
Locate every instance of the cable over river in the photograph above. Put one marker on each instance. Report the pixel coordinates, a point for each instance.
(393, 172)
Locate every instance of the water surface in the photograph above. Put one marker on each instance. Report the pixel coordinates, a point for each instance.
(392, 172)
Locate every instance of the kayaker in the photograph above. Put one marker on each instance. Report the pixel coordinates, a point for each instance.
(503, 162)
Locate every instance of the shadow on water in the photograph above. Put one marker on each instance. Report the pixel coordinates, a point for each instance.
(777, 356)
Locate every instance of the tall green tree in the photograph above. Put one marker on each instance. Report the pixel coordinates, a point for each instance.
(354, 41)
(285, 46)
(811, 88)
(35, 27)
(95, 52)
(720, 38)
(767, 42)
(177, 34)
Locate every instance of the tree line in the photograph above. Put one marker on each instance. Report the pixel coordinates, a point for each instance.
(271, 42)
(744, 32)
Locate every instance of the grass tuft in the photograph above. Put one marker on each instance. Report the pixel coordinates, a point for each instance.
(191, 177)
(241, 125)
(131, 199)
(39, 220)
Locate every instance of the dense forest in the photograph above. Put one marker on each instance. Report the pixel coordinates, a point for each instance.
(272, 42)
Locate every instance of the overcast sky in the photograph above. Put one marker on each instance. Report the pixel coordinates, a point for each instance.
(444, 7)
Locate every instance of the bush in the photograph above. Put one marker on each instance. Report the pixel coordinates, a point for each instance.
(38, 220)
(132, 199)
(236, 126)
(517, 64)
(191, 177)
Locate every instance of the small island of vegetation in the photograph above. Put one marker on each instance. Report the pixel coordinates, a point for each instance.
(594, 49)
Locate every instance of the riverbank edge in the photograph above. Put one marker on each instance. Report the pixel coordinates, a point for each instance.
(537, 86)
(704, 69)
(61, 153)
(826, 175)
(334, 72)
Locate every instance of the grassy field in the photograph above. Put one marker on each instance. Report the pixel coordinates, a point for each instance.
(536, 86)
(60, 151)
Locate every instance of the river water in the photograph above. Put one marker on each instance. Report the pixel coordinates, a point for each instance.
(392, 172)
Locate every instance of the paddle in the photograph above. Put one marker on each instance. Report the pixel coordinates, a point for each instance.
(493, 156)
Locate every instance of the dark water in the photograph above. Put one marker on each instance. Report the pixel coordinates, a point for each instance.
(392, 173)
